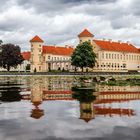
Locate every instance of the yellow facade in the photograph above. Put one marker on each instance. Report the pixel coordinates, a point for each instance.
(107, 61)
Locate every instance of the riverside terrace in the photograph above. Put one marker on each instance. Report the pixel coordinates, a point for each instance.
(70, 73)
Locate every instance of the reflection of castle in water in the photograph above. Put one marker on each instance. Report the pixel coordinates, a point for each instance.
(88, 110)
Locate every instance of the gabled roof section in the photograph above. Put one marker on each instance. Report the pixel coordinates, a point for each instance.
(36, 39)
(85, 33)
(58, 50)
(116, 46)
(26, 55)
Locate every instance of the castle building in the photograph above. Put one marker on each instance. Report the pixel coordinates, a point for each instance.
(45, 58)
(111, 56)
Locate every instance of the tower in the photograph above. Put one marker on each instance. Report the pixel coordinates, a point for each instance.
(85, 35)
(36, 99)
(36, 54)
(87, 111)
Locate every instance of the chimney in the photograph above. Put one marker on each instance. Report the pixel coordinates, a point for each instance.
(119, 41)
(66, 46)
(103, 39)
(128, 42)
(71, 46)
(110, 40)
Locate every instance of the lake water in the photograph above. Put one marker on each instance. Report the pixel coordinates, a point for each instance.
(53, 108)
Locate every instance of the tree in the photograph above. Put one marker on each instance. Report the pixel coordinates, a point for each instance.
(83, 56)
(10, 56)
(1, 41)
(83, 95)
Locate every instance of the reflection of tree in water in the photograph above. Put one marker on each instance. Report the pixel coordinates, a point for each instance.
(83, 94)
(86, 98)
(10, 93)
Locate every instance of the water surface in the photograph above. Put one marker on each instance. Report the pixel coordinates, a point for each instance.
(45, 108)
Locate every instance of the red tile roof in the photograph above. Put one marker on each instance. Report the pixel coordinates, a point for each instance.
(86, 119)
(85, 33)
(116, 46)
(57, 50)
(114, 111)
(36, 39)
(26, 55)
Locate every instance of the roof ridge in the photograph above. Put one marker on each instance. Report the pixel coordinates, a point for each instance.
(36, 38)
(116, 46)
(113, 41)
(85, 33)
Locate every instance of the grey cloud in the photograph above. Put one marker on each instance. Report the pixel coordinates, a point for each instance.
(58, 6)
(59, 21)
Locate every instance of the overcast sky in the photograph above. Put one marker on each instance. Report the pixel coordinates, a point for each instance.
(59, 21)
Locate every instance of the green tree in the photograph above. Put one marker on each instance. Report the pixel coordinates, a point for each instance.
(83, 95)
(10, 56)
(1, 41)
(83, 56)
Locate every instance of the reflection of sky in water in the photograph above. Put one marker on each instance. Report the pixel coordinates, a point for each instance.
(61, 121)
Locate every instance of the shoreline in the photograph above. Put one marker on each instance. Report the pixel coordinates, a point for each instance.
(68, 74)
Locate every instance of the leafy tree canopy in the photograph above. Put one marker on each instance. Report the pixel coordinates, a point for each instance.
(1, 41)
(83, 56)
(10, 56)
(83, 95)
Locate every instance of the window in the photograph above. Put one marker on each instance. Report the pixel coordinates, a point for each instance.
(106, 56)
(112, 65)
(48, 57)
(39, 50)
(124, 57)
(103, 55)
(112, 56)
(124, 65)
(109, 55)
(127, 57)
(39, 67)
(118, 56)
(44, 58)
(39, 45)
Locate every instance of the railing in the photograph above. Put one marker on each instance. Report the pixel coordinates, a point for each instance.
(56, 61)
